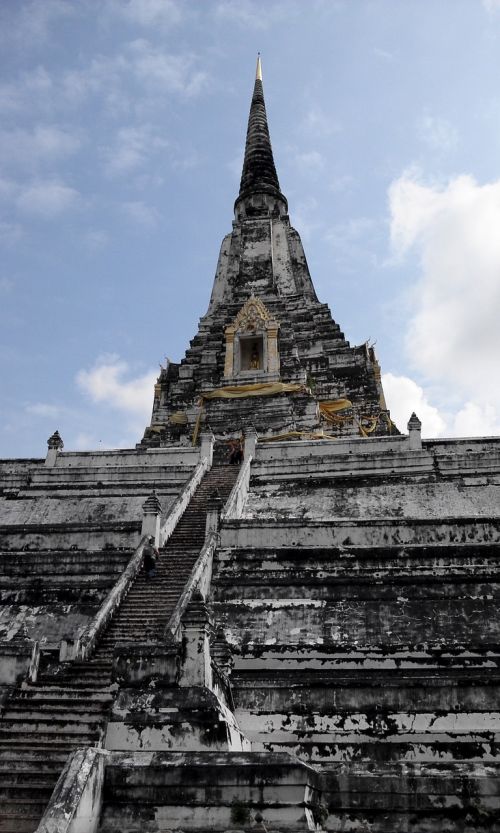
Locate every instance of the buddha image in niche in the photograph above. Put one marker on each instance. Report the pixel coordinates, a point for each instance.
(254, 358)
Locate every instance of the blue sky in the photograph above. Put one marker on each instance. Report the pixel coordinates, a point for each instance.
(121, 140)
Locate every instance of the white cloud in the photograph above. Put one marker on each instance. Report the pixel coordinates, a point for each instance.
(454, 333)
(163, 71)
(404, 397)
(106, 79)
(453, 336)
(88, 442)
(491, 5)
(95, 240)
(44, 143)
(107, 383)
(340, 182)
(42, 409)
(132, 149)
(383, 53)
(412, 207)
(30, 91)
(307, 162)
(235, 165)
(8, 188)
(305, 217)
(140, 213)
(317, 123)
(343, 234)
(474, 420)
(438, 133)
(34, 21)
(252, 15)
(354, 241)
(164, 13)
(134, 80)
(47, 199)
(10, 233)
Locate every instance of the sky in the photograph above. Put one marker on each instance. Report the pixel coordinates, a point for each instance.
(122, 128)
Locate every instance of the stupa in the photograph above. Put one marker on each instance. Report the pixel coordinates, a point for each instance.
(318, 650)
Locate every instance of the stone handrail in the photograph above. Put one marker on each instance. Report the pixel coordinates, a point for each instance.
(236, 500)
(181, 502)
(202, 570)
(88, 638)
(34, 662)
(75, 803)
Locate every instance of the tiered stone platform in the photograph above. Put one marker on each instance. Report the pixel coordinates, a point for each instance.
(358, 594)
(68, 531)
(322, 655)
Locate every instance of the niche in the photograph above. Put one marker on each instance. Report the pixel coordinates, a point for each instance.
(252, 342)
(251, 352)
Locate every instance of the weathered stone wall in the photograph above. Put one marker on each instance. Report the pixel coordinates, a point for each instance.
(359, 596)
(264, 255)
(68, 530)
(163, 791)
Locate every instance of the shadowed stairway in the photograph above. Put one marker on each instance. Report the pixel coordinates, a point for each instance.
(67, 707)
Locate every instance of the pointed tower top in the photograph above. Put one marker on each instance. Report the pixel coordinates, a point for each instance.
(258, 71)
(259, 187)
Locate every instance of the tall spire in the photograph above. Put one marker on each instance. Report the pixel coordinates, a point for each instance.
(259, 175)
(258, 71)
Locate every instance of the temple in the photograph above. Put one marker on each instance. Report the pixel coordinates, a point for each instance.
(318, 649)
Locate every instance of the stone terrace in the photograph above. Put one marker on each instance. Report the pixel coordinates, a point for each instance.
(68, 525)
(359, 596)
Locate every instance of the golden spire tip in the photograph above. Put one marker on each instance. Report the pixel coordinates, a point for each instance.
(258, 73)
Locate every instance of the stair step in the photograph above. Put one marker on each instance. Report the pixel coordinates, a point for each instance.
(56, 740)
(45, 721)
(42, 736)
(29, 716)
(23, 755)
(56, 692)
(26, 794)
(15, 821)
(20, 769)
(78, 681)
(24, 805)
(137, 619)
(43, 704)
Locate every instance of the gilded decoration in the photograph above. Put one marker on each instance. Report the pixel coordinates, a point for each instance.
(252, 341)
(252, 316)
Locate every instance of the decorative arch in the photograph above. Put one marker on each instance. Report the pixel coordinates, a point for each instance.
(252, 342)
(252, 315)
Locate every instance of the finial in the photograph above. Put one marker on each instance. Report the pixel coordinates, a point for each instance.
(152, 505)
(55, 441)
(258, 72)
(414, 423)
(415, 433)
(259, 186)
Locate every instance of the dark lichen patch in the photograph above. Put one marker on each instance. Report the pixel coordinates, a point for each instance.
(240, 812)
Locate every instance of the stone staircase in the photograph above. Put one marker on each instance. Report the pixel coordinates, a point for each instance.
(42, 724)
(148, 606)
(66, 708)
